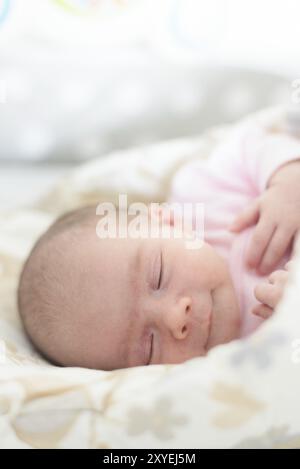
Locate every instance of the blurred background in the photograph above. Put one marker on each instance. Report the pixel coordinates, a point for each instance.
(81, 78)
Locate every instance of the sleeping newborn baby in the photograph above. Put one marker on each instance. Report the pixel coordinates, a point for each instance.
(121, 301)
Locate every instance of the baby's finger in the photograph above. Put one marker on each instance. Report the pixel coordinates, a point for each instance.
(260, 239)
(268, 294)
(263, 311)
(246, 218)
(289, 265)
(278, 276)
(276, 248)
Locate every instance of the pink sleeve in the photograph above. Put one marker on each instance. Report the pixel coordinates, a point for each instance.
(264, 152)
(241, 166)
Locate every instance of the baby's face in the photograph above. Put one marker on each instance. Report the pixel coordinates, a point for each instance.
(150, 301)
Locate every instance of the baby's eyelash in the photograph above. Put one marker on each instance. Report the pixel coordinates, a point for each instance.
(160, 272)
(151, 349)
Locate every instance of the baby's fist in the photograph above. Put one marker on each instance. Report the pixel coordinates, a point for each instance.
(270, 292)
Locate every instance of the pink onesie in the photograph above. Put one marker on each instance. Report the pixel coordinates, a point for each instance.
(236, 173)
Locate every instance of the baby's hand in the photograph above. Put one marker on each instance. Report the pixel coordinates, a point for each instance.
(277, 215)
(270, 292)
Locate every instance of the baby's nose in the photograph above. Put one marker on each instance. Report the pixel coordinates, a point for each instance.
(177, 318)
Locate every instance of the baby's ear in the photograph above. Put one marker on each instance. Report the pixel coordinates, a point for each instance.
(164, 213)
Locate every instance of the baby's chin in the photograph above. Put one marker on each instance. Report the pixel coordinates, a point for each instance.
(226, 317)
